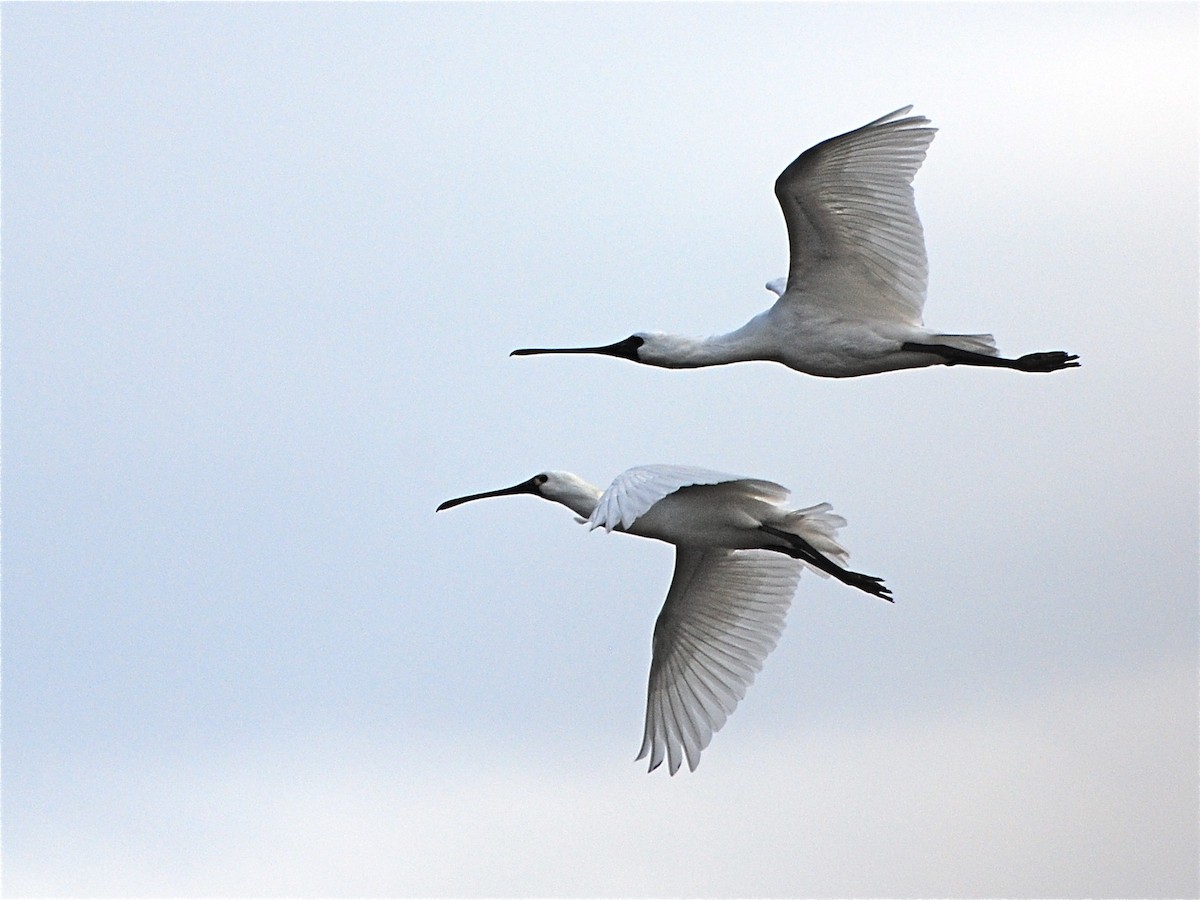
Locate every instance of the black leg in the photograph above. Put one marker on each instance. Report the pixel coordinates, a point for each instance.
(1050, 361)
(799, 548)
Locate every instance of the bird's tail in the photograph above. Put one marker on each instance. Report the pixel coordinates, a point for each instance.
(975, 343)
(819, 525)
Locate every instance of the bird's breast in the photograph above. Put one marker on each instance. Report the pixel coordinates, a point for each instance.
(690, 518)
(830, 345)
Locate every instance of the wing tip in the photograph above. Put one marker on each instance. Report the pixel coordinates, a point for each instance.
(901, 116)
(894, 114)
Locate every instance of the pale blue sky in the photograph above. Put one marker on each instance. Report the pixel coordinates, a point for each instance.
(262, 268)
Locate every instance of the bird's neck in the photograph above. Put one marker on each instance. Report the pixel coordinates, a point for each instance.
(579, 496)
(675, 351)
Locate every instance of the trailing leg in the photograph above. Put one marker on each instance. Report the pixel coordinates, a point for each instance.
(798, 548)
(1050, 361)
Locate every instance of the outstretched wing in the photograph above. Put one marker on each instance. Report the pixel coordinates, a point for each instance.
(722, 617)
(855, 239)
(633, 492)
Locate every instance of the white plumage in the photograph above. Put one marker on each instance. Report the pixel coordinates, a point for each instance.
(634, 491)
(723, 615)
(853, 298)
(739, 553)
(856, 243)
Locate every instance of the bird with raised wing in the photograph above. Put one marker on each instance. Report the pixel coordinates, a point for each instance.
(853, 298)
(739, 553)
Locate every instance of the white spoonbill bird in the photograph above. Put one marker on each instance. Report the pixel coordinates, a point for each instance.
(739, 552)
(852, 300)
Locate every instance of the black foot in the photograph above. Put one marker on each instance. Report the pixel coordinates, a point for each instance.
(868, 583)
(1051, 361)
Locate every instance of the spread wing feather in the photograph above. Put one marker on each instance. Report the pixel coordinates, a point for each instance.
(723, 615)
(854, 235)
(633, 492)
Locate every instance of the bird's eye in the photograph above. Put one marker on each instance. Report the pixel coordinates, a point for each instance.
(539, 480)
